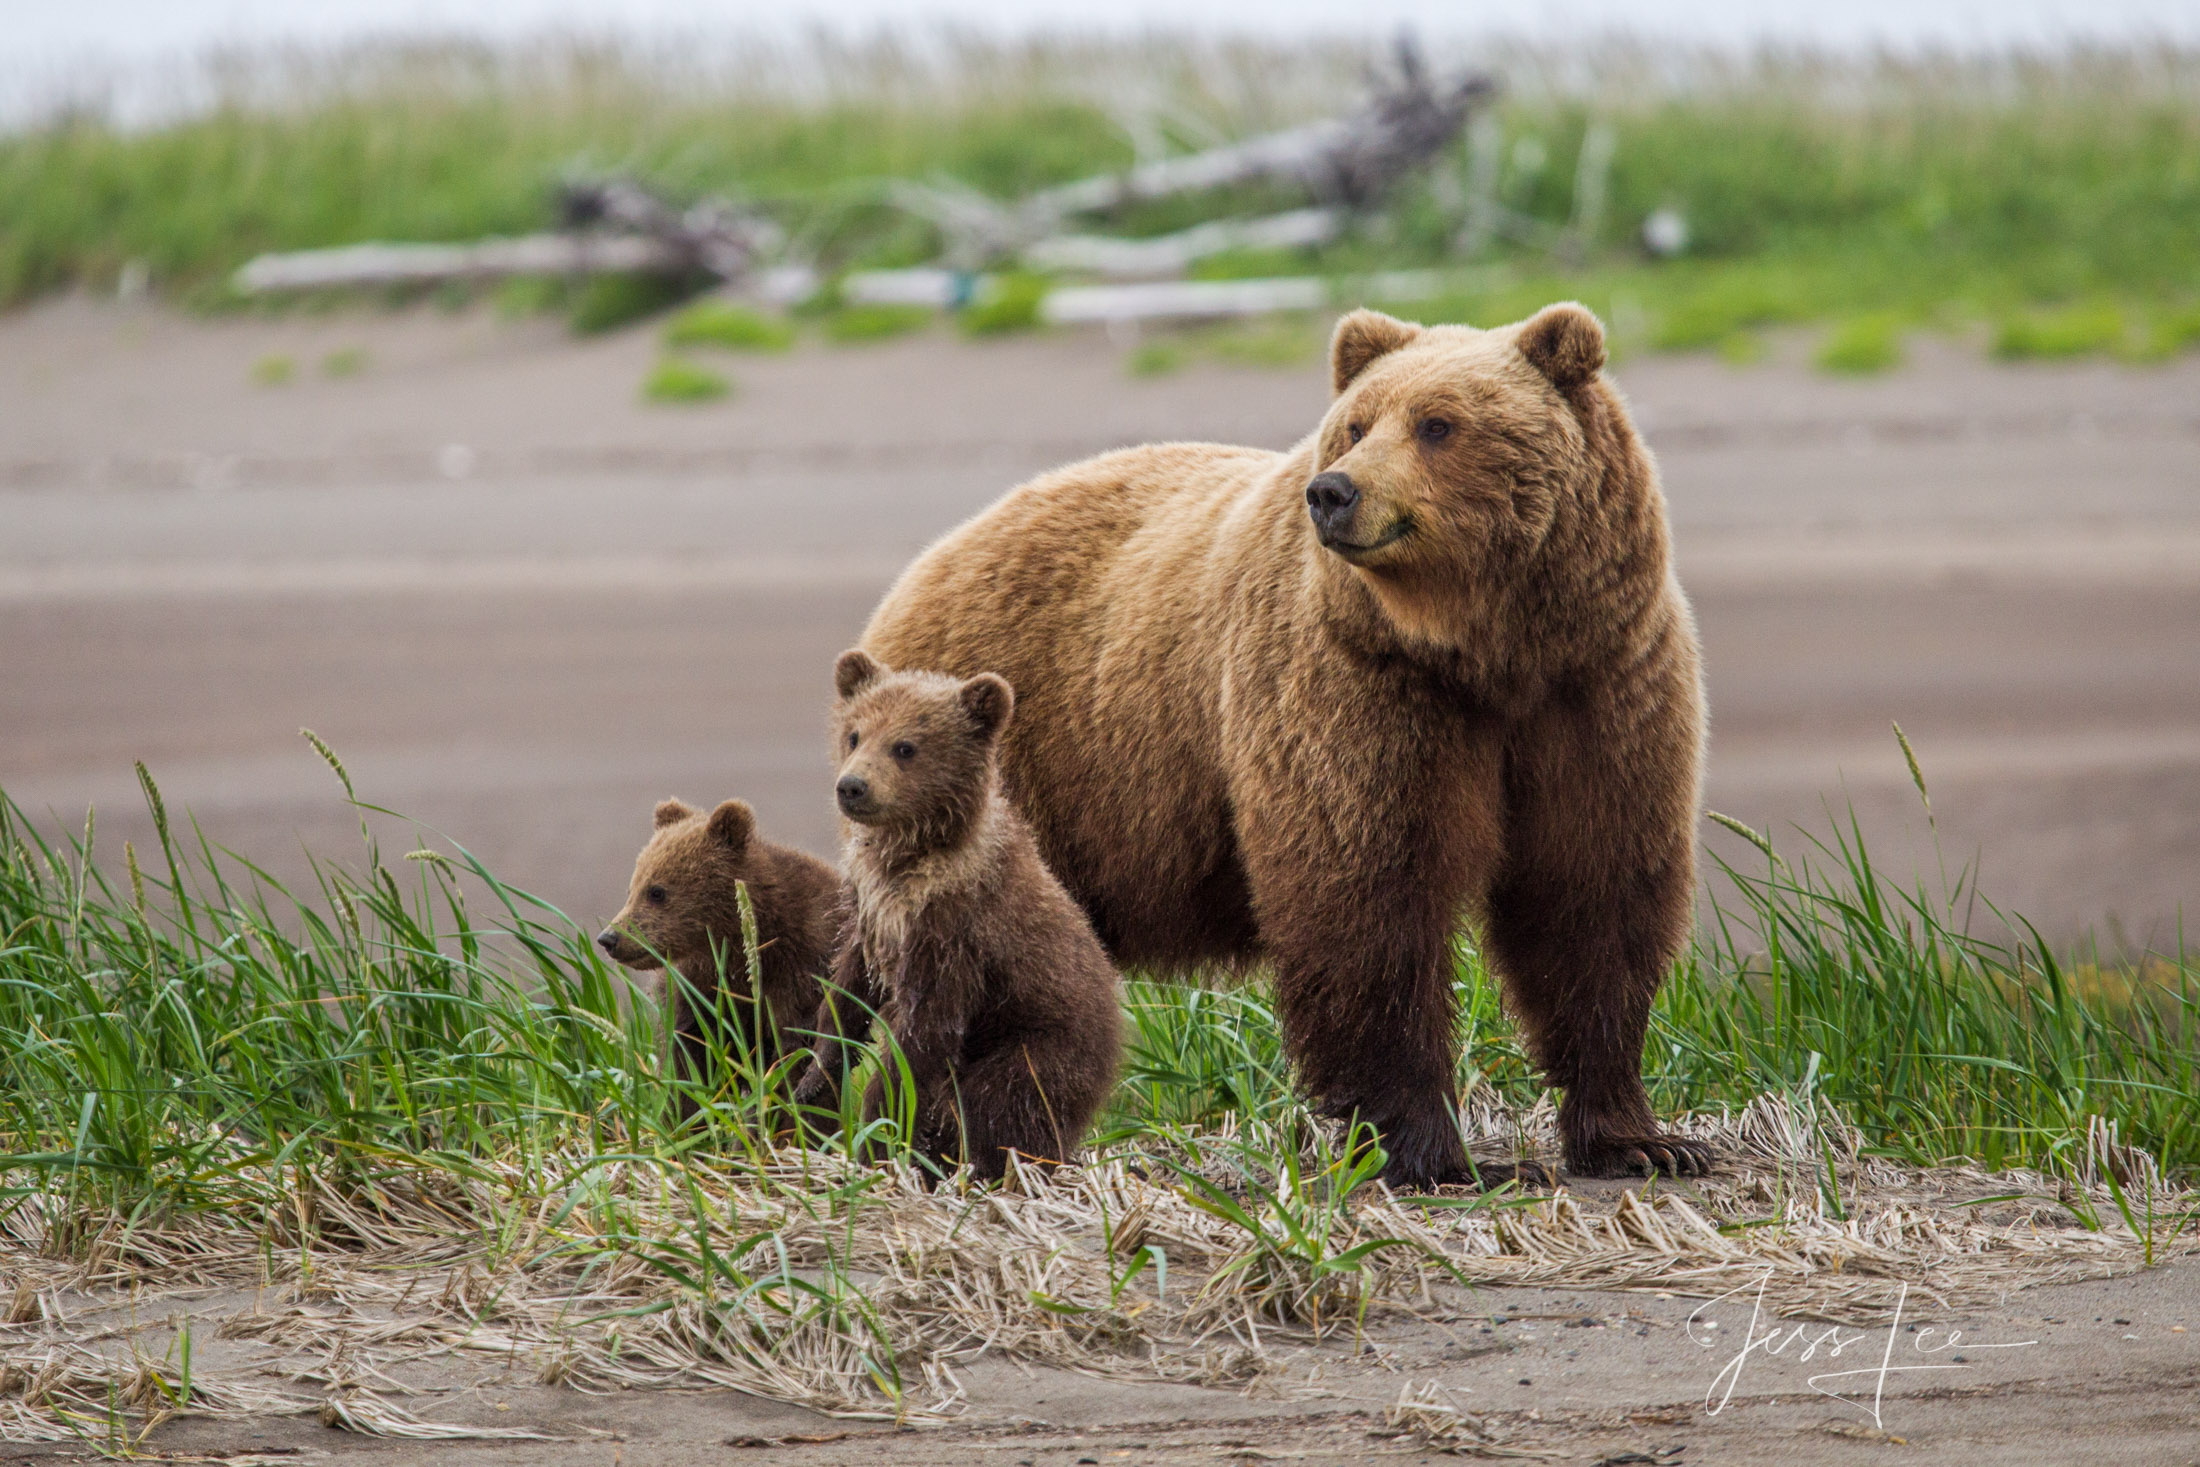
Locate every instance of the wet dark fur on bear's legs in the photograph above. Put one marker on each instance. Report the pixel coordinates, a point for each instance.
(1319, 708)
(999, 999)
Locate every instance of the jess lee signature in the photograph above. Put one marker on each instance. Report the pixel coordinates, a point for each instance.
(1808, 1343)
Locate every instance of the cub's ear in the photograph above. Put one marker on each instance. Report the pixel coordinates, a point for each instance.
(1362, 337)
(988, 699)
(733, 823)
(1565, 343)
(672, 812)
(855, 671)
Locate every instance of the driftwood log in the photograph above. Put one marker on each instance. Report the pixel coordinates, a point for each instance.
(615, 225)
(609, 226)
(1346, 163)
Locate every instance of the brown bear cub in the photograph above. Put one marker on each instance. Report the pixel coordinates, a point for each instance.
(682, 905)
(998, 995)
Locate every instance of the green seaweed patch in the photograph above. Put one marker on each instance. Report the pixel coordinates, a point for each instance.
(729, 327)
(1009, 303)
(677, 380)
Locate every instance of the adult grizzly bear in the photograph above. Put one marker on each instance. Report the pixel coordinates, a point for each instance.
(1315, 707)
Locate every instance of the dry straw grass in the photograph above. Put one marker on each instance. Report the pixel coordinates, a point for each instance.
(759, 1280)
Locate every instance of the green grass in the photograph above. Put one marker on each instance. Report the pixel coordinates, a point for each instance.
(173, 1025)
(1279, 342)
(1815, 188)
(675, 380)
(2073, 331)
(1863, 346)
(856, 324)
(729, 327)
(1011, 305)
(345, 361)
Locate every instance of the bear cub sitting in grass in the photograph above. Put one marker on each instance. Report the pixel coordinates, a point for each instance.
(999, 997)
(682, 909)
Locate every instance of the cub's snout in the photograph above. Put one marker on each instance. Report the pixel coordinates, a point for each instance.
(854, 795)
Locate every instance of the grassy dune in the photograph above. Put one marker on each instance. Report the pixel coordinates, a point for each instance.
(2057, 198)
(414, 1092)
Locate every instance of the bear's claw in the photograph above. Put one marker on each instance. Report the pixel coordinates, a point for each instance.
(1529, 1174)
(1644, 1156)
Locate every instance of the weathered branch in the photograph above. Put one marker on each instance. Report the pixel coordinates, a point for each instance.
(612, 226)
(1172, 254)
(489, 259)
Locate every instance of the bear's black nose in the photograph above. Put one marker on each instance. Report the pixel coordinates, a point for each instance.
(608, 940)
(1330, 499)
(852, 791)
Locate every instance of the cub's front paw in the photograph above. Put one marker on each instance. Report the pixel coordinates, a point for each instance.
(1642, 1156)
(816, 1090)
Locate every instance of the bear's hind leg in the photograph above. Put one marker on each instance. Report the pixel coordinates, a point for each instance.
(1014, 1099)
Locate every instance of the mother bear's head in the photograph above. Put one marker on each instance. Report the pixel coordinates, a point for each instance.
(1455, 459)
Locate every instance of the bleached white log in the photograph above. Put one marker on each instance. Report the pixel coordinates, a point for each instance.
(938, 289)
(1172, 254)
(1287, 154)
(488, 259)
(1191, 300)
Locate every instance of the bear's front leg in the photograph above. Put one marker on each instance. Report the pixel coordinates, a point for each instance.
(844, 1016)
(1363, 974)
(1364, 844)
(1593, 903)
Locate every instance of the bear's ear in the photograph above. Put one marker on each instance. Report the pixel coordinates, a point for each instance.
(1362, 337)
(733, 823)
(855, 671)
(988, 699)
(672, 812)
(1565, 343)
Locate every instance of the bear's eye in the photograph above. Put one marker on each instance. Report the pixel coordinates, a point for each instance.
(1434, 430)
(656, 896)
(905, 751)
(852, 738)
(1356, 431)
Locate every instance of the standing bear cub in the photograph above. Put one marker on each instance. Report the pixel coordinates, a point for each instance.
(1313, 709)
(999, 997)
(682, 909)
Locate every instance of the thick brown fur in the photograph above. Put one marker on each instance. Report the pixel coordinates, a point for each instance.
(1267, 713)
(682, 908)
(1000, 999)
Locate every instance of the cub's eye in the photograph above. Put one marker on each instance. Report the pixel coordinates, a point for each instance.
(905, 751)
(656, 896)
(1434, 430)
(852, 738)
(1356, 431)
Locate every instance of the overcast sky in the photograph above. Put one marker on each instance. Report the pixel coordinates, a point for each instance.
(128, 56)
(43, 32)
